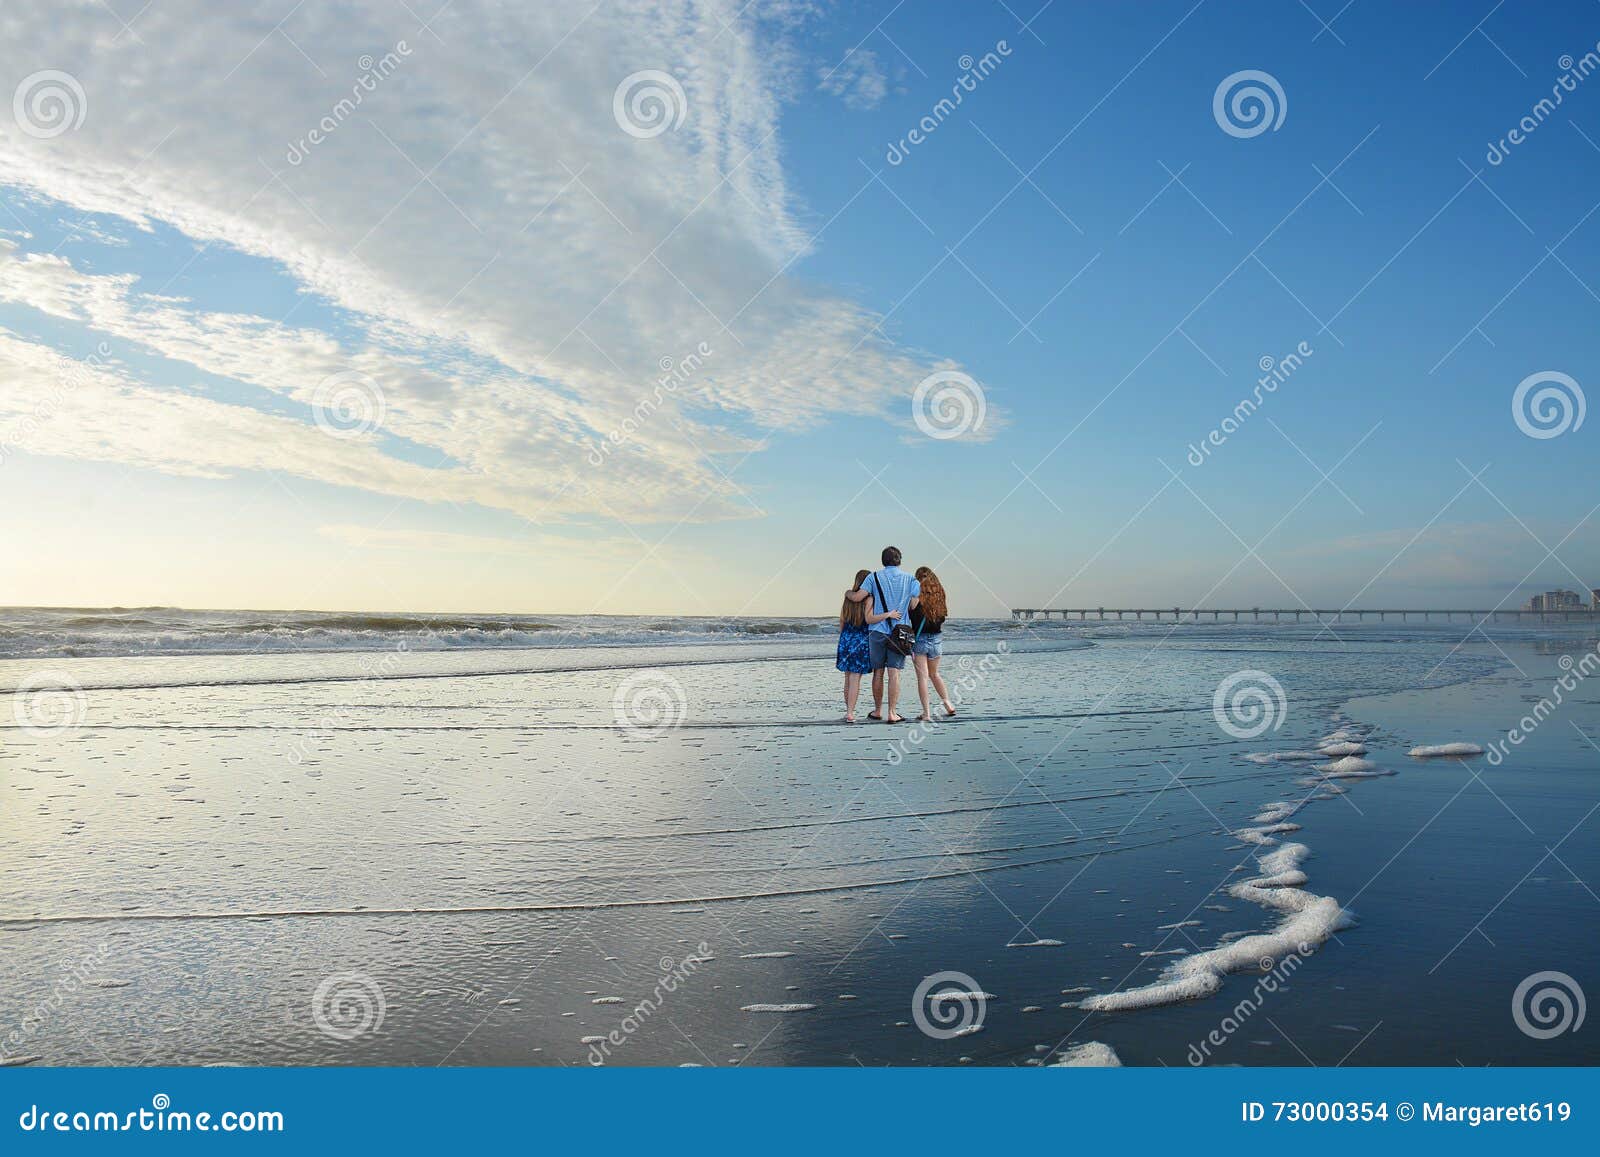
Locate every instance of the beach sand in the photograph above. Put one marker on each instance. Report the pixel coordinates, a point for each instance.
(673, 855)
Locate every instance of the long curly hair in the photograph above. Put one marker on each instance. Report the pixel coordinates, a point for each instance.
(932, 602)
(852, 613)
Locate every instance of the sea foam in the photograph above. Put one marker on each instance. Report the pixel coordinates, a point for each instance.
(1427, 750)
(1263, 835)
(1090, 1055)
(1343, 749)
(1308, 921)
(1201, 974)
(1350, 765)
(1271, 813)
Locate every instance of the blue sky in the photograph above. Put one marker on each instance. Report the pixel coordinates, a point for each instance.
(492, 267)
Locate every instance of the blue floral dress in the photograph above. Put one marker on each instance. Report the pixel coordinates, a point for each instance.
(855, 658)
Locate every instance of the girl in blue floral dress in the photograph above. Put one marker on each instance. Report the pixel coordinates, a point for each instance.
(854, 656)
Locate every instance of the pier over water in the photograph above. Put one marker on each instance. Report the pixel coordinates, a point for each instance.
(1292, 614)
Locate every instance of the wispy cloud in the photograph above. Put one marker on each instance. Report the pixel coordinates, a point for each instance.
(858, 80)
(515, 266)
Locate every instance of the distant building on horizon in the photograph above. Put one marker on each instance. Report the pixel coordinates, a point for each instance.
(1562, 601)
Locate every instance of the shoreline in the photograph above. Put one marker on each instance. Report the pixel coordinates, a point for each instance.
(1089, 790)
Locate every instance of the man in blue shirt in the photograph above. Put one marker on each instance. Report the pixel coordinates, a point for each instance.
(893, 592)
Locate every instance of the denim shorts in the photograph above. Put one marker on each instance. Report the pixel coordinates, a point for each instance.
(929, 645)
(882, 655)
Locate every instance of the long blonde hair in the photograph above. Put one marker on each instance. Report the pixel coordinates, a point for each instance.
(852, 613)
(932, 602)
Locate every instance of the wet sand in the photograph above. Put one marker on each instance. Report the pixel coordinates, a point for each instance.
(566, 856)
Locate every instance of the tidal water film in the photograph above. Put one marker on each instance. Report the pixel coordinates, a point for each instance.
(237, 839)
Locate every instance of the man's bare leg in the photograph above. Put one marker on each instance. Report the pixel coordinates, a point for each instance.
(877, 692)
(894, 692)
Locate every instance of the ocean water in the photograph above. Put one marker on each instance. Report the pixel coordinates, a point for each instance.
(239, 838)
(97, 631)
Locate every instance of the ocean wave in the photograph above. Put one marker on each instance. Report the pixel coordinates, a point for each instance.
(34, 633)
(98, 632)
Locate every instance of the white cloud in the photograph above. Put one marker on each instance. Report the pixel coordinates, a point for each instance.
(52, 405)
(532, 470)
(517, 264)
(858, 80)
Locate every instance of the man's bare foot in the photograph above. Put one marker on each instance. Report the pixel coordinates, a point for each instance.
(895, 719)
(924, 718)
(874, 715)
